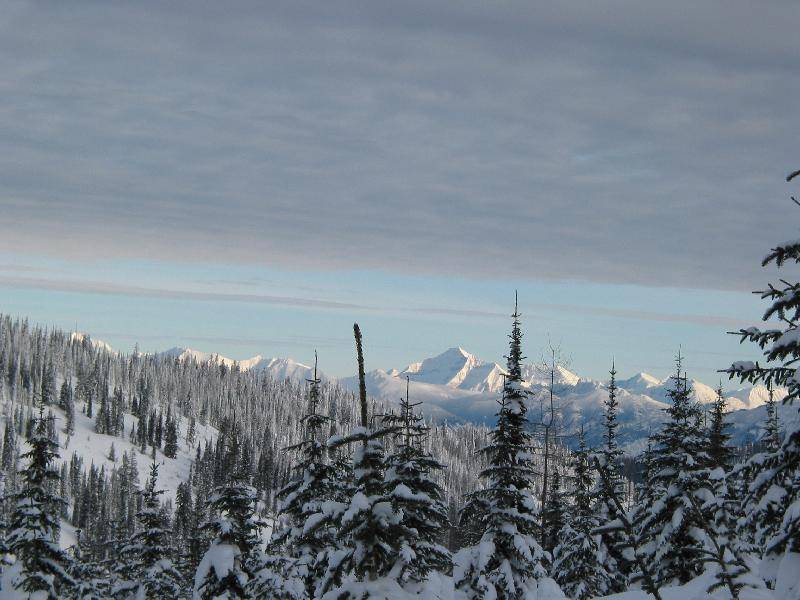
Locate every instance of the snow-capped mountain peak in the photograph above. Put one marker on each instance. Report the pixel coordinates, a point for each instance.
(449, 368)
(278, 368)
(639, 383)
(78, 336)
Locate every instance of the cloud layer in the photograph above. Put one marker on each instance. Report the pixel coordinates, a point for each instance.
(619, 142)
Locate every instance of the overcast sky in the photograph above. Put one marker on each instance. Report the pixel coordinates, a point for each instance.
(398, 160)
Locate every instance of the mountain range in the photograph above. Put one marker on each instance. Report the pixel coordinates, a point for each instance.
(457, 387)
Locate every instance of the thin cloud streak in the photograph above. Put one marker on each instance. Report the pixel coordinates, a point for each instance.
(106, 288)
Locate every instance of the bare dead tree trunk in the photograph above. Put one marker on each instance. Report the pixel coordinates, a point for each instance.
(362, 384)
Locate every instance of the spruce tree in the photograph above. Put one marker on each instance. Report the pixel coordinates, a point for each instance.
(578, 565)
(367, 522)
(417, 497)
(771, 437)
(150, 546)
(613, 537)
(507, 561)
(677, 476)
(772, 497)
(553, 513)
(171, 436)
(229, 561)
(720, 452)
(309, 537)
(34, 527)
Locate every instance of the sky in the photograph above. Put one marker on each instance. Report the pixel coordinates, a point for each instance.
(253, 177)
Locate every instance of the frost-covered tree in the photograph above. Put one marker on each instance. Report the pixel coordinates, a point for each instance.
(150, 548)
(508, 561)
(34, 528)
(678, 473)
(613, 537)
(368, 524)
(5, 553)
(553, 512)
(227, 565)
(720, 452)
(171, 436)
(92, 581)
(66, 401)
(774, 492)
(309, 536)
(771, 437)
(578, 561)
(417, 497)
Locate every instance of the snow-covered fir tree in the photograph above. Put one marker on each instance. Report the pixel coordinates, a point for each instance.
(613, 539)
(33, 532)
(677, 475)
(150, 549)
(770, 505)
(417, 497)
(228, 564)
(368, 524)
(720, 452)
(578, 561)
(508, 560)
(309, 537)
(553, 512)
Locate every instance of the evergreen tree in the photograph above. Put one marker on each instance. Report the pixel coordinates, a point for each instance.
(772, 497)
(228, 564)
(158, 577)
(720, 452)
(309, 537)
(92, 580)
(677, 476)
(508, 560)
(191, 431)
(367, 522)
(171, 436)
(578, 564)
(771, 437)
(49, 383)
(613, 537)
(553, 513)
(5, 552)
(67, 403)
(34, 527)
(417, 497)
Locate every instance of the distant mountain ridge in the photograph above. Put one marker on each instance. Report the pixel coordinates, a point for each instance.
(457, 386)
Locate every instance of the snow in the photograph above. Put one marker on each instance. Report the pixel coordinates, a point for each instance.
(78, 336)
(456, 386)
(219, 557)
(278, 368)
(449, 368)
(697, 589)
(94, 447)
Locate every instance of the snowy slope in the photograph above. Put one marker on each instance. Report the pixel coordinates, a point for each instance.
(94, 447)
